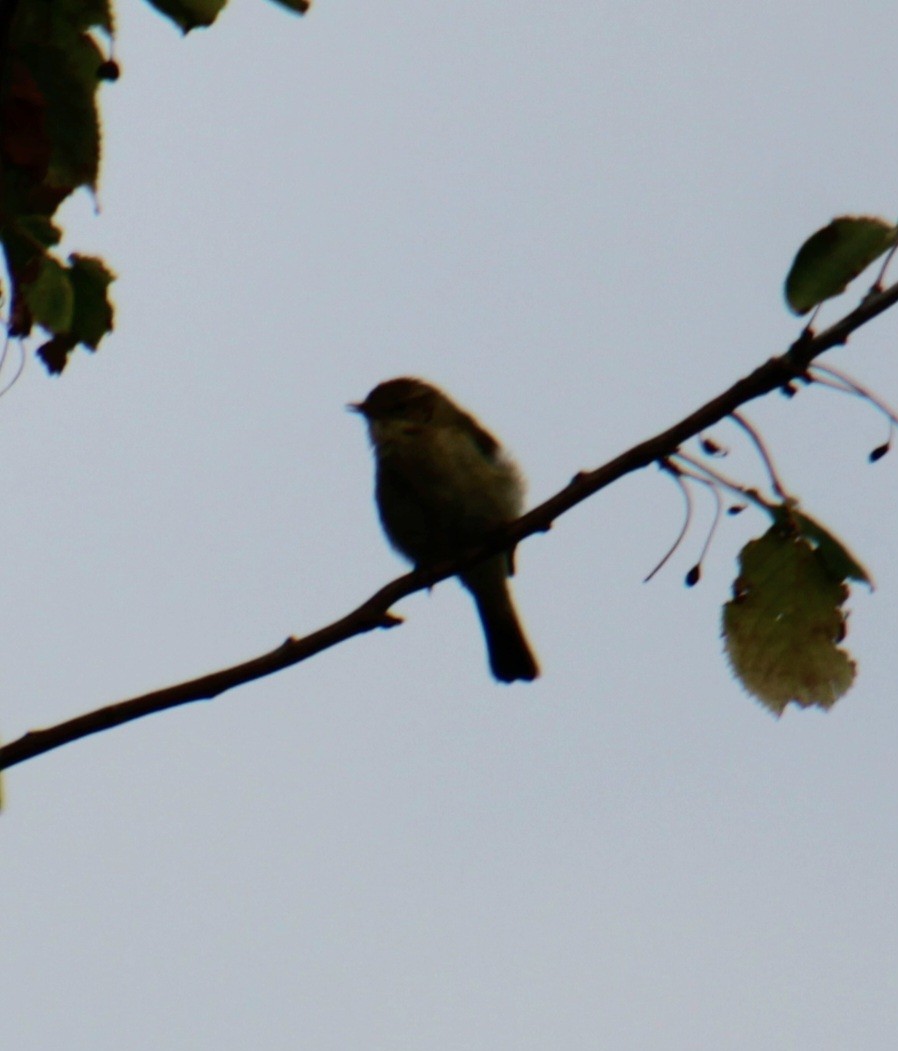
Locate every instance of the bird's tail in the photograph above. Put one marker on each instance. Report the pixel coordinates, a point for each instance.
(509, 651)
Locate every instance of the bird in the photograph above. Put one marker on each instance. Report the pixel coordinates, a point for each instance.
(443, 483)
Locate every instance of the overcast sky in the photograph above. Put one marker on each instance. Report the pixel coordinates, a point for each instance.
(577, 219)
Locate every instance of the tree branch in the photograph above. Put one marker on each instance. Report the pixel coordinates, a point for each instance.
(374, 613)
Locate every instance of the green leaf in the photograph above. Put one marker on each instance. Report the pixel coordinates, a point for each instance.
(58, 21)
(189, 14)
(782, 627)
(50, 297)
(67, 78)
(39, 229)
(92, 313)
(50, 141)
(90, 316)
(834, 256)
(86, 14)
(838, 560)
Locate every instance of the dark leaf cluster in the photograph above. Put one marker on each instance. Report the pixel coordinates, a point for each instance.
(51, 66)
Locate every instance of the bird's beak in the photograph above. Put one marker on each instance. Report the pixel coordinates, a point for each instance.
(356, 406)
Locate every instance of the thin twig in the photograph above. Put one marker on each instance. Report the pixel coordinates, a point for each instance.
(677, 475)
(763, 452)
(701, 472)
(851, 386)
(718, 511)
(20, 368)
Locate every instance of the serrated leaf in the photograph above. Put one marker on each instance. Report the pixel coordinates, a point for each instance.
(92, 313)
(189, 14)
(782, 627)
(90, 316)
(50, 296)
(834, 256)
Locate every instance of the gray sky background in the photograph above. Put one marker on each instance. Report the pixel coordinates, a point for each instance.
(576, 219)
